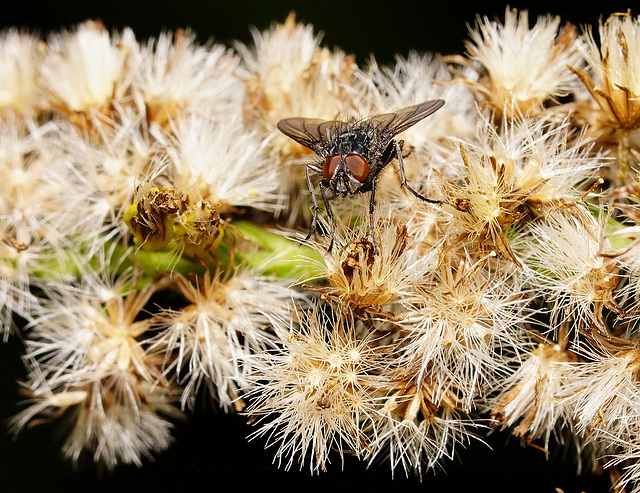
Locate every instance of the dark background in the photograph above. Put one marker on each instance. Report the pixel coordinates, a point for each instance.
(383, 28)
(211, 451)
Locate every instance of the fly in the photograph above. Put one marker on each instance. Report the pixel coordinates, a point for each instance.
(354, 154)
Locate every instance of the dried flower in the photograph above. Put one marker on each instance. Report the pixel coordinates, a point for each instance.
(359, 280)
(576, 268)
(315, 391)
(484, 205)
(524, 165)
(289, 74)
(614, 82)
(459, 325)
(86, 362)
(208, 342)
(20, 54)
(532, 402)
(541, 155)
(173, 75)
(220, 161)
(604, 389)
(421, 424)
(85, 70)
(522, 67)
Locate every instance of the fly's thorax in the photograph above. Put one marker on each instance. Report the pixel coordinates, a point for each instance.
(357, 140)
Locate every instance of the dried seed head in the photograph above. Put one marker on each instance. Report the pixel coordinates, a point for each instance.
(615, 85)
(152, 216)
(364, 281)
(484, 204)
(522, 67)
(163, 219)
(199, 229)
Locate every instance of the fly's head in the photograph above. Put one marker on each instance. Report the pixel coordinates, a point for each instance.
(346, 174)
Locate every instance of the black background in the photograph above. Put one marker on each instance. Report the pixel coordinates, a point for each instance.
(211, 452)
(383, 28)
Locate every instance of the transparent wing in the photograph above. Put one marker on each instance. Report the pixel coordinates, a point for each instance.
(304, 131)
(311, 132)
(392, 124)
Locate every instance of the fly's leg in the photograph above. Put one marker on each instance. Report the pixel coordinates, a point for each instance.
(314, 200)
(316, 207)
(327, 206)
(372, 231)
(403, 176)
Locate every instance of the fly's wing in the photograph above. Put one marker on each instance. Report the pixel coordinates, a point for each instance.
(304, 131)
(389, 125)
(312, 133)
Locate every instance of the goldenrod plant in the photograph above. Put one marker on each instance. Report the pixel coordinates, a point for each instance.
(154, 246)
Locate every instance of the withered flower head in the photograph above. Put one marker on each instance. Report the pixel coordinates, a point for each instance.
(604, 389)
(174, 74)
(459, 324)
(485, 204)
(88, 365)
(521, 67)
(317, 392)
(360, 280)
(86, 70)
(531, 401)
(164, 219)
(615, 83)
(150, 218)
(202, 343)
(20, 54)
(577, 268)
(290, 74)
(421, 423)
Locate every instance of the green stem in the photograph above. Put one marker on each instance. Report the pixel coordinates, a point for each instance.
(275, 255)
(269, 253)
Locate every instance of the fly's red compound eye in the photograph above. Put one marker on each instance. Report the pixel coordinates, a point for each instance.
(358, 166)
(330, 166)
